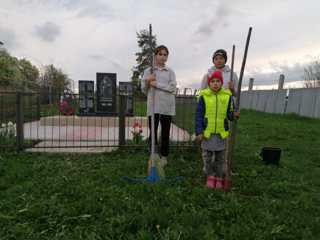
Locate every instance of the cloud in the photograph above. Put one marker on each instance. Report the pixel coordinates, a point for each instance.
(97, 10)
(292, 73)
(48, 32)
(8, 38)
(70, 4)
(82, 8)
(115, 63)
(217, 18)
(191, 30)
(96, 57)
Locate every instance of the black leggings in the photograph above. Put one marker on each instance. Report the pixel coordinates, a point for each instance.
(165, 121)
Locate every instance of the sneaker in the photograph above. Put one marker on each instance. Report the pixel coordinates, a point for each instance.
(211, 182)
(164, 161)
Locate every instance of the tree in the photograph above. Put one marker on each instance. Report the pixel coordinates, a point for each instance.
(54, 78)
(30, 74)
(53, 82)
(143, 57)
(10, 75)
(312, 75)
(17, 74)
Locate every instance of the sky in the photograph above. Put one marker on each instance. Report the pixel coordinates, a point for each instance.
(84, 37)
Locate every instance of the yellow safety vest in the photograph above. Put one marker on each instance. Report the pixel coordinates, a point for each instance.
(216, 111)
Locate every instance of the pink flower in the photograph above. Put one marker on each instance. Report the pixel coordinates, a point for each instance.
(137, 128)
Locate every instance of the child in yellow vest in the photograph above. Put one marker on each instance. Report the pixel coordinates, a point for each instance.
(214, 109)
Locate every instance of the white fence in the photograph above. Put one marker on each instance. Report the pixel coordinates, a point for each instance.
(304, 102)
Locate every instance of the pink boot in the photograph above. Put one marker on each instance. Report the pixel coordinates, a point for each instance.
(219, 183)
(211, 182)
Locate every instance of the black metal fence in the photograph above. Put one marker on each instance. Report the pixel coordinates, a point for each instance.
(29, 122)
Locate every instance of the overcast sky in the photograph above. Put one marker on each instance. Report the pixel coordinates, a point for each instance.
(84, 37)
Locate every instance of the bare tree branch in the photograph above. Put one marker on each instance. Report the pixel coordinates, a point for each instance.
(312, 75)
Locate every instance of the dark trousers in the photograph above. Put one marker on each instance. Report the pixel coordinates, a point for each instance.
(165, 121)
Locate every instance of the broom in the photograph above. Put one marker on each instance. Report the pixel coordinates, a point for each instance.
(155, 169)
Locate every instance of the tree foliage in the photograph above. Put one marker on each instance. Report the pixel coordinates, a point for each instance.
(10, 74)
(142, 57)
(53, 82)
(30, 74)
(17, 74)
(21, 74)
(55, 78)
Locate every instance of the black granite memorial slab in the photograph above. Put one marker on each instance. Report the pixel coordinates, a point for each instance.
(126, 89)
(106, 94)
(86, 98)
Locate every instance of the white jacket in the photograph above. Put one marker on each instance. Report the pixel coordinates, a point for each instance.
(164, 92)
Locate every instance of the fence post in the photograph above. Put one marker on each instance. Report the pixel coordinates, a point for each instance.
(317, 106)
(251, 80)
(281, 82)
(19, 121)
(38, 106)
(122, 125)
(286, 101)
(195, 92)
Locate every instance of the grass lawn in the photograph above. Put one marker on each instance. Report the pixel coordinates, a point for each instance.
(50, 196)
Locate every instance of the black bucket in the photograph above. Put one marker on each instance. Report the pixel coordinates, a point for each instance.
(271, 155)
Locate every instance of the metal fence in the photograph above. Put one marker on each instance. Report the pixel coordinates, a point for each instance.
(304, 102)
(28, 122)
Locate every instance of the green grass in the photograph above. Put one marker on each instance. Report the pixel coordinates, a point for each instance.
(7, 142)
(50, 196)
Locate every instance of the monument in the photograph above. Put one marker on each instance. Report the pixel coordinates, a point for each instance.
(86, 98)
(106, 94)
(126, 89)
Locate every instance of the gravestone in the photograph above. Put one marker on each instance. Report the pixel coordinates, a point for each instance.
(126, 89)
(106, 94)
(86, 98)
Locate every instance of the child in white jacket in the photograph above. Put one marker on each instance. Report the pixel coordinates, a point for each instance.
(163, 80)
(219, 59)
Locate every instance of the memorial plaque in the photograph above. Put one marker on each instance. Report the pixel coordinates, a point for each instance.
(126, 89)
(106, 94)
(86, 97)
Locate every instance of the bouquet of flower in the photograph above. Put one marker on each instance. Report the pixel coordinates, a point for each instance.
(137, 133)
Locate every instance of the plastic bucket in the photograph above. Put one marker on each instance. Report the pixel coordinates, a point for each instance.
(271, 155)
